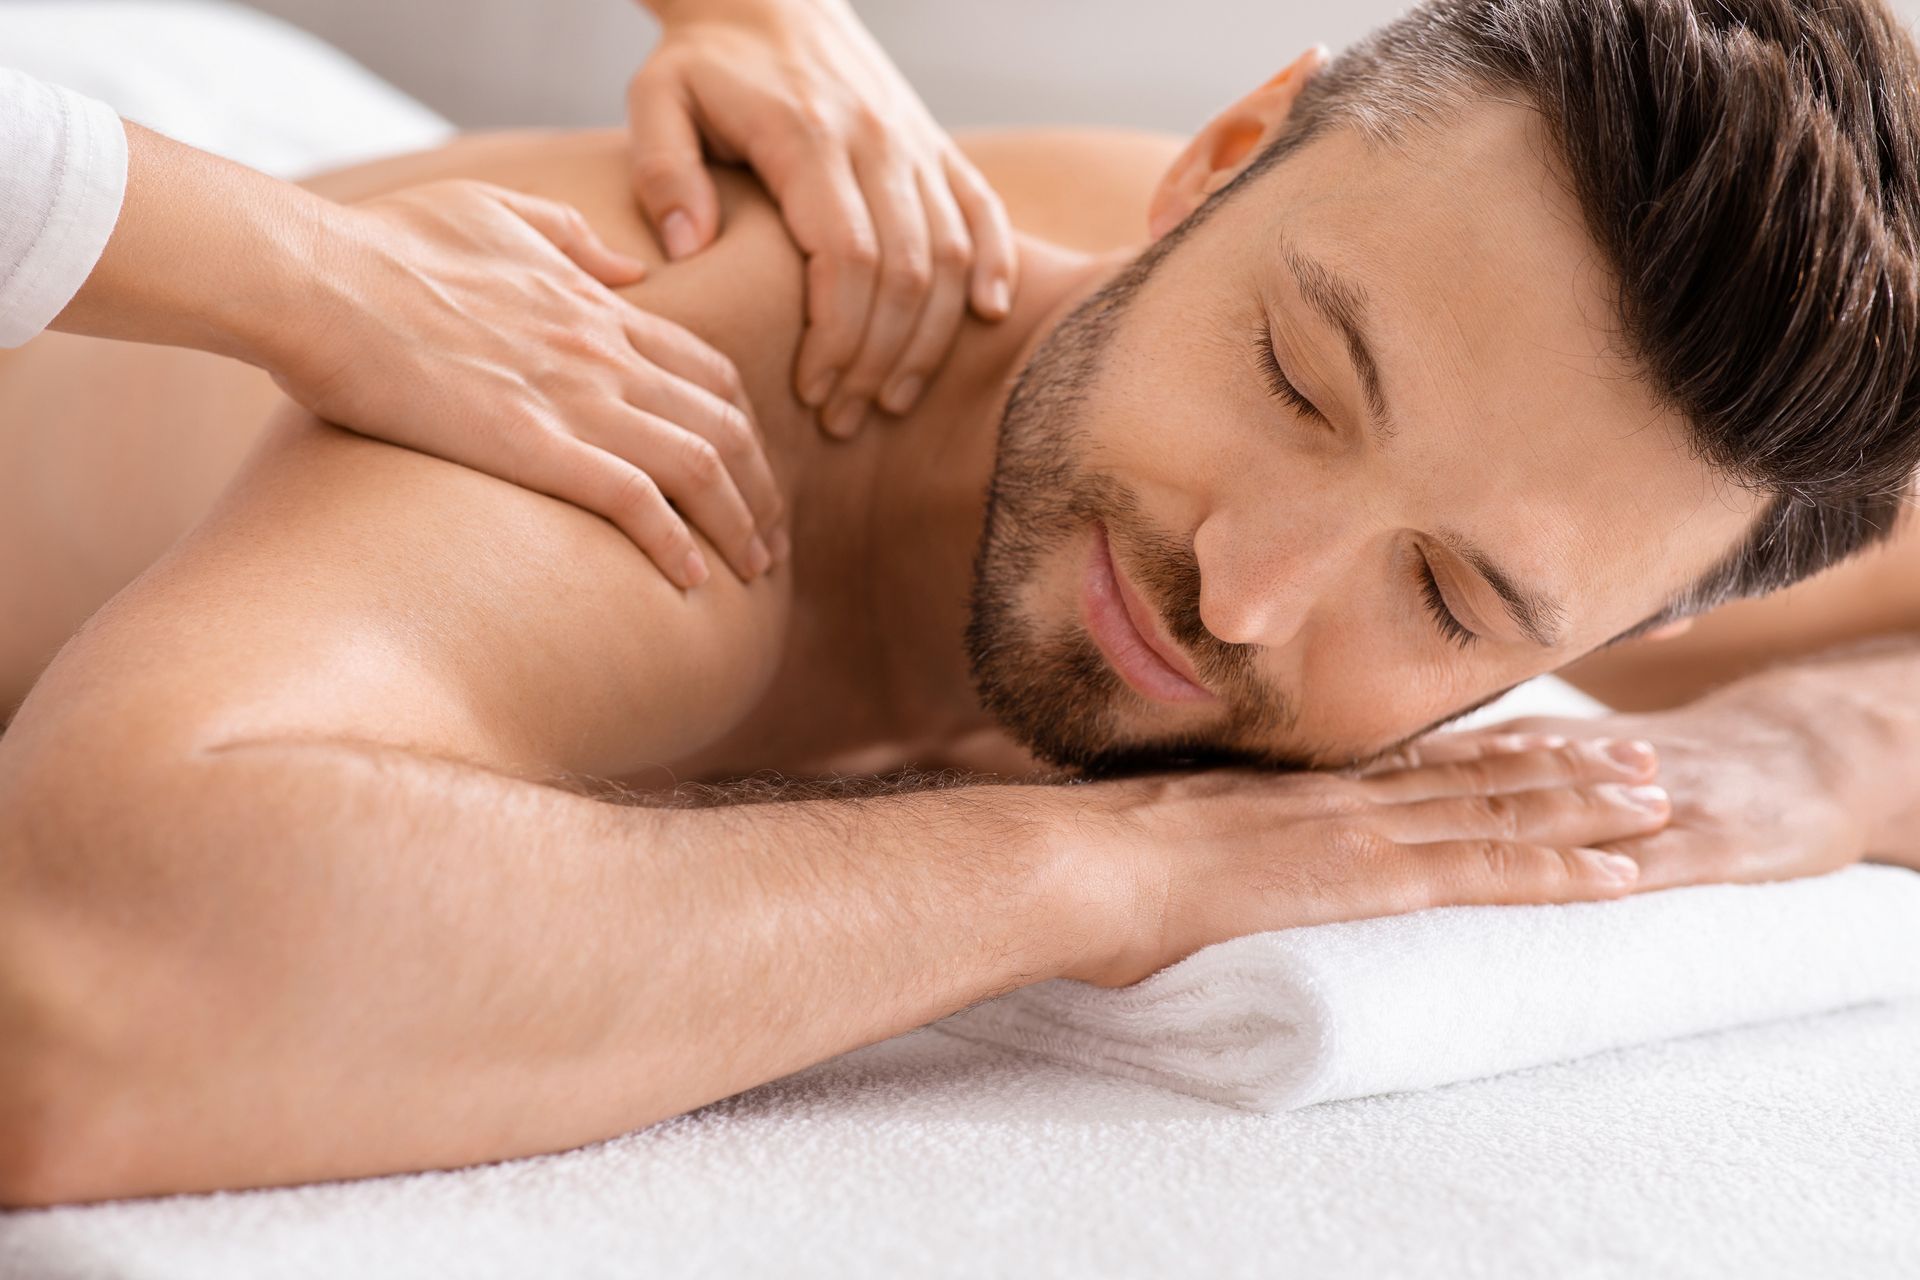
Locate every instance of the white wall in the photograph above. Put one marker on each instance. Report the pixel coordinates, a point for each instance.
(1156, 63)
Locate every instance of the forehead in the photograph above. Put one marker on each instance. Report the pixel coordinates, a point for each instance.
(1495, 324)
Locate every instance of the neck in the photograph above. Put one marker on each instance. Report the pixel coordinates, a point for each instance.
(924, 499)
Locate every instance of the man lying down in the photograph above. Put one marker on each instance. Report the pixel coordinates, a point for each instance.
(1522, 328)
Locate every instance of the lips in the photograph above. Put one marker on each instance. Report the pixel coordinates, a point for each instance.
(1128, 633)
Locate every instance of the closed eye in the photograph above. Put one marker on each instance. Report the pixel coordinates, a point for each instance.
(1278, 383)
(1444, 618)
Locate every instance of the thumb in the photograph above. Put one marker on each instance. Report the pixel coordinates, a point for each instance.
(670, 179)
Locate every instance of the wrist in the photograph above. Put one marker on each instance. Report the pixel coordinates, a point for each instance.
(275, 313)
(1106, 892)
(1854, 717)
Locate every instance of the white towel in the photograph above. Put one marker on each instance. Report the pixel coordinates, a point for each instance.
(1283, 1020)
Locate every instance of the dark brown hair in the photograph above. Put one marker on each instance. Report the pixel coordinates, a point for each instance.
(1750, 170)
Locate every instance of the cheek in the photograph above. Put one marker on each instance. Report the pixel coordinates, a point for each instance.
(1174, 411)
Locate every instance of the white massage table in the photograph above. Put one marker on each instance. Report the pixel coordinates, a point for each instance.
(1788, 1150)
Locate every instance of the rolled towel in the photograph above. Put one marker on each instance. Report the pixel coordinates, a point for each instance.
(1283, 1020)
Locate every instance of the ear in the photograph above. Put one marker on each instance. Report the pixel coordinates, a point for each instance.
(1668, 630)
(1226, 143)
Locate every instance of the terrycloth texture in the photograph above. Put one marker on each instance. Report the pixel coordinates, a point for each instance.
(1288, 1019)
(1780, 1152)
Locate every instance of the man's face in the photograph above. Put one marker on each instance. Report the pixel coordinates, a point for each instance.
(1358, 451)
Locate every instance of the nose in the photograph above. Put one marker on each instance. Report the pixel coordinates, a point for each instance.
(1261, 586)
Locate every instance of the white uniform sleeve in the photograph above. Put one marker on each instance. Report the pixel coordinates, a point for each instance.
(63, 174)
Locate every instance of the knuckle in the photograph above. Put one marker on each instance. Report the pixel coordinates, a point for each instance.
(733, 435)
(635, 495)
(1349, 841)
(951, 254)
(1501, 815)
(701, 462)
(906, 276)
(855, 250)
(868, 126)
(810, 124)
(1502, 861)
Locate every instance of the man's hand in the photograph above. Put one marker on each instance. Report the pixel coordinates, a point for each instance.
(1758, 794)
(1211, 856)
(900, 230)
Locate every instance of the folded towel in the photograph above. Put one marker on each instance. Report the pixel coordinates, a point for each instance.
(1283, 1020)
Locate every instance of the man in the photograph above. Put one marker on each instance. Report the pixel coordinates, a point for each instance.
(1505, 340)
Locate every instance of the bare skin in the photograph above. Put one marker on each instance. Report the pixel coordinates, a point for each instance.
(283, 884)
(88, 505)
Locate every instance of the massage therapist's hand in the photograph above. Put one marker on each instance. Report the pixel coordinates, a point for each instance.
(1755, 797)
(1203, 857)
(476, 324)
(900, 231)
(459, 319)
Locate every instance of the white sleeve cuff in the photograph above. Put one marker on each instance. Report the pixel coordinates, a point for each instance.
(63, 176)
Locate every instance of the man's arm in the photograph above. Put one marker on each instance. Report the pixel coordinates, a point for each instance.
(281, 901)
(1856, 709)
(283, 897)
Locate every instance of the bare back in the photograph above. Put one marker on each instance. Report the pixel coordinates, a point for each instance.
(111, 451)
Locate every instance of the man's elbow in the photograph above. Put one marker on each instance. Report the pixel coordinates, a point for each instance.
(88, 989)
(60, 1093)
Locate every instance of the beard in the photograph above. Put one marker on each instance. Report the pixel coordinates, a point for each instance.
(1048, 684)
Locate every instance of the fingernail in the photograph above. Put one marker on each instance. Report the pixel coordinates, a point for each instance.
(759, 559)
(678, 235)
(1619, 867)
(696, 568)
(999, 298)
(1634, 755)
(847, 418)
(782, 545)
(902, 393)
(815, 393)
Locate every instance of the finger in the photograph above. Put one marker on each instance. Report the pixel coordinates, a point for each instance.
(567, 228)
(668, 168)
(722, 425)
(996, 260)
(1445, 748)
(1501, 873)
(899, 293)
(1576, 763)
(574, 471)
(689, 470)
(682, 353)
(1563, 817)
(827, 214)
(933, 335)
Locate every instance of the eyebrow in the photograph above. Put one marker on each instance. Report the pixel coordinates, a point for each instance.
(1343, 304)
(1538, 615)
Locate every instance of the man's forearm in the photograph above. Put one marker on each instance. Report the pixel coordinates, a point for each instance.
(395, 963)
(1858, 709)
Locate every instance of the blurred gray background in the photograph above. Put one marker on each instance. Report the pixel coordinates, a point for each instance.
(1132, 62)
(1127, 62)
